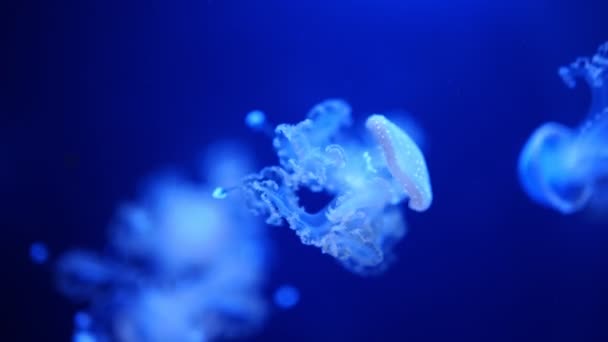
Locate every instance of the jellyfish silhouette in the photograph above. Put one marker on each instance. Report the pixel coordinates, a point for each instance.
(565, 168)
(366, 179)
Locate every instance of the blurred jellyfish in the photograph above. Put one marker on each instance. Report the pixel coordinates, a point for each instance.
(180, 266)
(563, 168)
(366, 179)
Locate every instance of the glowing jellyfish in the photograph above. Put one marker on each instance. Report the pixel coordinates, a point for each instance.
(366, 179)
(180, 266)
(566, 168)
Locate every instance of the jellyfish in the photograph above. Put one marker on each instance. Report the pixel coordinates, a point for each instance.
(366, 180)
(565, 168)
(179, 265)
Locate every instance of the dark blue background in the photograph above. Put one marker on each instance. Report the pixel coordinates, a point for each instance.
(94, 96)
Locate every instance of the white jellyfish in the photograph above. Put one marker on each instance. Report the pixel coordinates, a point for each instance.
(366, 179)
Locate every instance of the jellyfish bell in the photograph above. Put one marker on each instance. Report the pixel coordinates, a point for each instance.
(409, 123)
(548, 169)
(403, 159)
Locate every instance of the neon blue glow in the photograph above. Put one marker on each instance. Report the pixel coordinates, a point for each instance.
(286, 296)
(564, 168)
(255, 119)
(39, 253)
(367, 179)
(180, 265)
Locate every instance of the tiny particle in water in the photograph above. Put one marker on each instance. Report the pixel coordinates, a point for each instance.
(255, 119)
(286, 296)
(39, 253)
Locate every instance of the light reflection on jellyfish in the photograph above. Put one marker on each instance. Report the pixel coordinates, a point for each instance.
(180, 266)
(367, 180)
(567, 169)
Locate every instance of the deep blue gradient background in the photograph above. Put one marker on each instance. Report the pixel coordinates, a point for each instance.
(95, 96)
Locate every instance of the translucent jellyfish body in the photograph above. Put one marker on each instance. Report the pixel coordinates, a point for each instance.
(366, 179)
(180, 266)
(565, 168)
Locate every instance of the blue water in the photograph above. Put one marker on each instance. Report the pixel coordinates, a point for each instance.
(100, 101)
